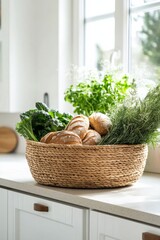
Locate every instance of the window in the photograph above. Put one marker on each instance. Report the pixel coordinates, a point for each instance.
(104, 36)
(144, 39)
(99, 32)
(123, 32)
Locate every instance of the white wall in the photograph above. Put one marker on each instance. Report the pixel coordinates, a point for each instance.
(22, 50)
(47, 50)
(40, 45)
(4, 58)
(153, 161)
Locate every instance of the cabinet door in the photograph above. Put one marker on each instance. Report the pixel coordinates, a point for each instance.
(3, 214)
(33, 218)
(108, 227)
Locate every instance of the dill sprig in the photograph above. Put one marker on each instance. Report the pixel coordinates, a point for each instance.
(136, 121)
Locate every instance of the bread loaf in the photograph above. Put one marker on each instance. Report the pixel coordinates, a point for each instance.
(79, 125)
(47, 138)
(62, 137)
(100, 122)
(91, 138)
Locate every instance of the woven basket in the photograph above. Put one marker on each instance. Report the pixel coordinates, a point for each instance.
(86, 166)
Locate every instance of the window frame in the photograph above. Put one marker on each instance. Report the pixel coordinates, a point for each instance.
(123, 11)
(121, 39)
(78, 32)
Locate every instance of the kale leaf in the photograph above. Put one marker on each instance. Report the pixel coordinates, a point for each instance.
(24, 128)
(42, 106)
(35, 123)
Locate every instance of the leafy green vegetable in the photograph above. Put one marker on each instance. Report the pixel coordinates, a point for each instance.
(98, 95)
(24, 128)
(42, 123)
(42, 106)
(64, 117)
(35, 123)
(136, 121)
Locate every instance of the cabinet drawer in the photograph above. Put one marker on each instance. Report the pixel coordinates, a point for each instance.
(107, 227)
(56, 211)
(37, 218)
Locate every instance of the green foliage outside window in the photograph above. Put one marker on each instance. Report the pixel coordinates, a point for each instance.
(150, 36)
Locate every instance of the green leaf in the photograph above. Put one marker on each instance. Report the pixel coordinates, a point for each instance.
(136, 121)
(42, 106)
(35, 123)
(97, 95)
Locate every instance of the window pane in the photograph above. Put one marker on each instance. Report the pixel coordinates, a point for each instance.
(99, 41)
(145, 45)
(98, 7)
(140, 2)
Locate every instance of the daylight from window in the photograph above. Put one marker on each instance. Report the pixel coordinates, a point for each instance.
(140, 28)
(99, 32)
(145, 44)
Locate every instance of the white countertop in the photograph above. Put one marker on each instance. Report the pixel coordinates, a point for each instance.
(140, 202)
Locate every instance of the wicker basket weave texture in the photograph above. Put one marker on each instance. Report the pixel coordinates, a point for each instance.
(86, 166)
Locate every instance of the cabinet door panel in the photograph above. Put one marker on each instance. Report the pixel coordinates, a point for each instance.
(3, 214)
(58, 223)
(107, 227)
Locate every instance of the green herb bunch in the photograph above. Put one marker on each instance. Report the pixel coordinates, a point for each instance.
(98, 95)
(136, 121)
(37, 122)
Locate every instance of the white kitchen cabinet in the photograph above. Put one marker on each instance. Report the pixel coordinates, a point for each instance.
(3, 214)
(34, 218)
(108, 227)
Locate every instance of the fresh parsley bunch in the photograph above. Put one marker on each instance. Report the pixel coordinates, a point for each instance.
(98, 95)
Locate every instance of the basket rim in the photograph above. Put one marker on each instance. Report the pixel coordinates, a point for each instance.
(52, 145)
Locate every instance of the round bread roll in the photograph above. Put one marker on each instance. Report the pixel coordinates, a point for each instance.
(100, 122)
(91, 138)
(46, 138)
(79, 125)
(62, 137)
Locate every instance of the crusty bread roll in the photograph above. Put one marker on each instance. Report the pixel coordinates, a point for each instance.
(79, 125)
(46, 138)
(100, 122)
(91, 138)
(62, 137)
